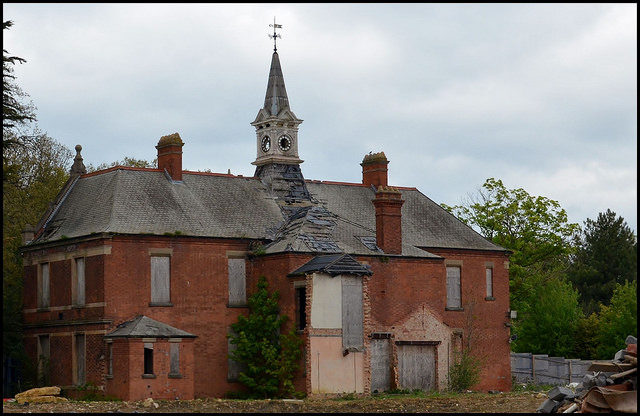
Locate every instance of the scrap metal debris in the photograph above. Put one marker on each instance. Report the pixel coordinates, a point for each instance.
(610, 386)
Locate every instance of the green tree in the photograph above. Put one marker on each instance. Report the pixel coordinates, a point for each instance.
(606, 255)
(38, 170)
(270, 357)
(534, 228)
(617, 320)
(550, 324)
(15, 112)
(127, 161)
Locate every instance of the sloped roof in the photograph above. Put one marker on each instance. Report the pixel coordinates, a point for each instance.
(333, 264)
(144, 327)
(144, 201)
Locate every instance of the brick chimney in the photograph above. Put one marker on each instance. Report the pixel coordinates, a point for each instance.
(388, 203)
(28, 233)
(170, 155)
(374, 169)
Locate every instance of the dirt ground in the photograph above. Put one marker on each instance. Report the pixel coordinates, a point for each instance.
(522, 402)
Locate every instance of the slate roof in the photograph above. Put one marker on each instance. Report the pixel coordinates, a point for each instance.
(341, 217)
(333, 264)
(144, 327)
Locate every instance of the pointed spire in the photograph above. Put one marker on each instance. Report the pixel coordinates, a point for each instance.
(78, 167)
(276, 98)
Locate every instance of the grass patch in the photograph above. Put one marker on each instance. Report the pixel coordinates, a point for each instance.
(530, 387)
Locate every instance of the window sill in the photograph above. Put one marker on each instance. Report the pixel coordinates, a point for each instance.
(453, 309)
(109, 377)
(78, 306)
(148, 376)
(43, 309)
(489, 298)
(175, 375)
(155, 304)
(237, 306)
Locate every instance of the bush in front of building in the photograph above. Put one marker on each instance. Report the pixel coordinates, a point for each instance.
(269, 358)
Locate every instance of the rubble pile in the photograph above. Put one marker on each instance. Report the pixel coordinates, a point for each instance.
(609, 386)
(40, 395)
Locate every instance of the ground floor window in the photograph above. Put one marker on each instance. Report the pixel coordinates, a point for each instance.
(148, 359)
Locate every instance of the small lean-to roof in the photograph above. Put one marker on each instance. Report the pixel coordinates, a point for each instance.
(333, 264)
(144, 327)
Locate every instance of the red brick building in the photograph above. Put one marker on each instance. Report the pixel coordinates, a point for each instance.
(134, 276)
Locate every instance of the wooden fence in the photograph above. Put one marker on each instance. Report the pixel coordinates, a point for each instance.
(542, 369)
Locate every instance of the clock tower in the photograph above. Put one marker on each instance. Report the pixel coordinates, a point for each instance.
(277, 162)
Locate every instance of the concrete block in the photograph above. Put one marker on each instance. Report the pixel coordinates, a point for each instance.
(619, 355)
(548, 406)
(558, 393)
(588, 381)
(631, 340)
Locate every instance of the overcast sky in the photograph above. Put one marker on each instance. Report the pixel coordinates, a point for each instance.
(542, 96)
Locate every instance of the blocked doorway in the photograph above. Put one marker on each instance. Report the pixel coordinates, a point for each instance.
(417, 365)
(380, 362)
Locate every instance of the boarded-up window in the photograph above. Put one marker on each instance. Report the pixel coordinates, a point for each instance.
(80, 359)
(80, 286)
(489, 273)
(148, 358)
(44, 289)
(174, 364)
(110, 368)
(160, 279)
(453, 287)
(234, 368)
(352, 315)
(43, 357)
(237, 282)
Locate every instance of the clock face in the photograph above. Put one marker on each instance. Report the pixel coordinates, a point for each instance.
(284, 142)
(266, 144)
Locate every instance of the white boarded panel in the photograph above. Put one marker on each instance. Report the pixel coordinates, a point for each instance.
(237, 282)
(160, 279)
(380, 365)
(326, 301)
(453, 287)
(80, 286)
(417, 367)
(352, 311)
(489, 273)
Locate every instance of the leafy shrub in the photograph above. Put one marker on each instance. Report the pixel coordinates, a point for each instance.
(465, 372)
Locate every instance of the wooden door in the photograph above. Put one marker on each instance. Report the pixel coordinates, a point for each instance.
(417, 367)
(380, 365)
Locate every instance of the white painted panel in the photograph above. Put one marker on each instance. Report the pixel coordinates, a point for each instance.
(326, 301)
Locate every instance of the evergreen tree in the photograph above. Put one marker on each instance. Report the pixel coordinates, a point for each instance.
(617, 320)
(269, 357)
(606, 255)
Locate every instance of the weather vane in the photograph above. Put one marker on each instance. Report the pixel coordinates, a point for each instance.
(275, 35)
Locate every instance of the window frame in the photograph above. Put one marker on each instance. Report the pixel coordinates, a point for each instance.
(159, 300)
(174, 359)
(489, 282)
(41, 286)
(449, 306)
(76, 283)
(147, 363)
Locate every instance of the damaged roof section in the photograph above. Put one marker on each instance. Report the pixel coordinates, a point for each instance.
(144, 327)
(316, 229)
(333, 265)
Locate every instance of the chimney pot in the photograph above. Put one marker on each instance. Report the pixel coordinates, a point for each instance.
(170, 155)
(374, 169)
